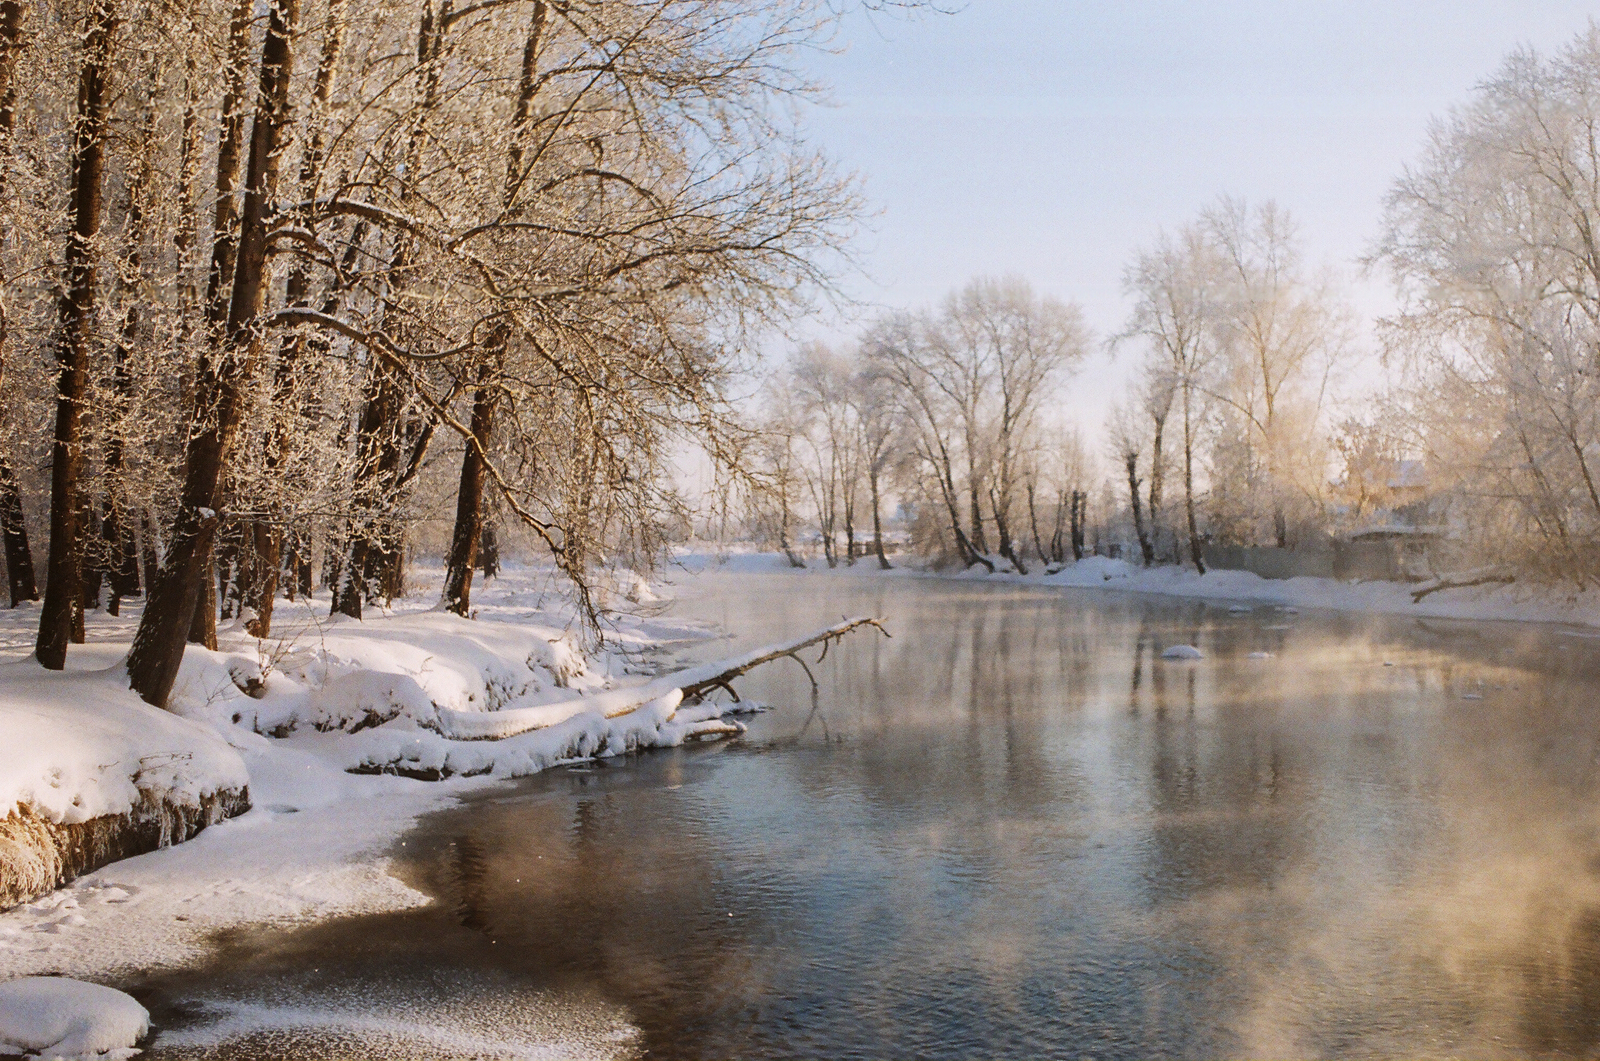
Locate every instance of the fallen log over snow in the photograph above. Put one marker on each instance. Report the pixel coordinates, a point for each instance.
(1481, 577)
(689, 684)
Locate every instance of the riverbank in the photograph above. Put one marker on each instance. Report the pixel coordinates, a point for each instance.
(319, 723)
(1503, 603)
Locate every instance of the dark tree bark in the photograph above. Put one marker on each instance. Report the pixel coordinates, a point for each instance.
(489, 550)
(149, 551)
(1196, 550)
(203, 621)
(14, 526)
(1080, 512)
(158, 646)
(224, 224)
(91, 565)
(1157, 481)
(63, 582)
(877, 525)
(1131, 460)
(1002, 528)
(469, 501)
(377, 458)
(13, 523)
(1033, 519)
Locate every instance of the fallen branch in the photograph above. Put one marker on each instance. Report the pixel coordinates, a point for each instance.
(689, 684)
(696, 687)
(1482, 577)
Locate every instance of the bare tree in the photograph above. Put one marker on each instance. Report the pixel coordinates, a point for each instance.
(1176, 315)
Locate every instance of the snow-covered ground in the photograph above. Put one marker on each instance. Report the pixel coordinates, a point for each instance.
(387, 693)
(1491, 602)
(54, 1017)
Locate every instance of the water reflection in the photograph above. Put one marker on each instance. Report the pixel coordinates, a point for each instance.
(1014, 829)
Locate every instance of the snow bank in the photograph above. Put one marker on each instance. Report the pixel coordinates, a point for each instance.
(296, 715)
(53, 1017)
(1501, 602)
(92, 774)
(82, 745)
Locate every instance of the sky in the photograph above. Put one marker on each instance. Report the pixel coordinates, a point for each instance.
(1050, 138)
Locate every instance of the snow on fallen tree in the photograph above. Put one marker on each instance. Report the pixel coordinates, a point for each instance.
(690, 684)
(513, 742)
(1483, 576)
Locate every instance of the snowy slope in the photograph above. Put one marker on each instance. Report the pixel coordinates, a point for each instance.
(79, 745)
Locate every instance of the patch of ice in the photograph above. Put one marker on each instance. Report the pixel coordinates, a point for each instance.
(53, 1017)
(1259, 655)
(1182, 652)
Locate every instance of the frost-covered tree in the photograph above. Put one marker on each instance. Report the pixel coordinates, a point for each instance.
(1490, 238)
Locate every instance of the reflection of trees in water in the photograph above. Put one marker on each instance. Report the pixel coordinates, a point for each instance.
(1307, 827)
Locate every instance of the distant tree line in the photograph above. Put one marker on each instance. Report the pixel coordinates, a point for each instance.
(1238, 425)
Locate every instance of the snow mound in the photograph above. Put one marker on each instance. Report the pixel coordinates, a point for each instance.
(53, 1017)
(1182, 652)
(81, 744)
(351, 675)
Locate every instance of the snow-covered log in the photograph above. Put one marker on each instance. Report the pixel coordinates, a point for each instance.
(1483, 576)
(689, 684)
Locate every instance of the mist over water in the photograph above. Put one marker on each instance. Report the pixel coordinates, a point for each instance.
(1013, 830)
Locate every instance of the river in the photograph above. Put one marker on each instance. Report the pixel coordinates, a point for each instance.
(1011, 829)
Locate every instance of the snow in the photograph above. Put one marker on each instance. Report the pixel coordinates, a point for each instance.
(53, 1017)
(1182, 652)
(314, 844)
(81, 745)
(1238, 589)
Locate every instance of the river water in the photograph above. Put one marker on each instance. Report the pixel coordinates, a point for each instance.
(1011, 829)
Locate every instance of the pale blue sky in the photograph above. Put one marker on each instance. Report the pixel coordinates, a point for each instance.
(1050, 138)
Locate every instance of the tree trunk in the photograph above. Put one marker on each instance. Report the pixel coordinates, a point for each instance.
(203, 622)
(877, 526)
(1033, 520)
(489, 550)
(149, 551)
(63, 580)
(1157, 481)
(13, 523)
(267, 535)
(91, 565)
(158, 646)
(1196, 553)
(1080, 512)
(267, 542)
(1002, 528)
(14, 527)
(1131, 460)
(469, 500)
(377, 461)
(975, 537)
(224, 225)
